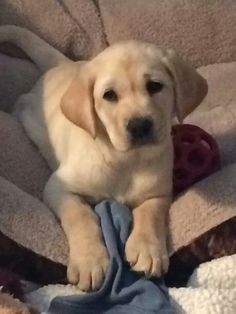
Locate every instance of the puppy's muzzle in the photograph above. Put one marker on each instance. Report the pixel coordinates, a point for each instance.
(140, 129)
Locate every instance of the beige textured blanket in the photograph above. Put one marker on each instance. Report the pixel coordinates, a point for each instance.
(81, 28)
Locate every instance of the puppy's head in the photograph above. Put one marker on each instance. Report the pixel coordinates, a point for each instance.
(133, 89)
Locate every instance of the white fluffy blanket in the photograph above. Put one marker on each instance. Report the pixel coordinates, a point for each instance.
(211, 289)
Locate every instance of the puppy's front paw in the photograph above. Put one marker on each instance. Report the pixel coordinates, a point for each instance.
(147, 254)
(87, 266)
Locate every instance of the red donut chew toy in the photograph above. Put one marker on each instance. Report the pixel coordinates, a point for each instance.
(196, 155)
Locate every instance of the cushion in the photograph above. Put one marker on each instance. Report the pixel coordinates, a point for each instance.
(201, 31)
(73, 27)
(17, 77)
(20, 162)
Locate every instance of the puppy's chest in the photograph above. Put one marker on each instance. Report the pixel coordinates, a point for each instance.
(128, 182)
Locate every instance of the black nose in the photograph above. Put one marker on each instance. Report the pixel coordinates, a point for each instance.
(140, 128)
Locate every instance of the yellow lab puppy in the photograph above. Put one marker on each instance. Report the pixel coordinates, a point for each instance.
(104, 127)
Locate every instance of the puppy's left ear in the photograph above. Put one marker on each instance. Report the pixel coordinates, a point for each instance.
(189, 86)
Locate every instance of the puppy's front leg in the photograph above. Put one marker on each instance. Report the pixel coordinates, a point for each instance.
(88, 258)
(146, 246)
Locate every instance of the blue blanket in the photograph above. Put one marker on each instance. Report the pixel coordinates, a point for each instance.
(123, 291)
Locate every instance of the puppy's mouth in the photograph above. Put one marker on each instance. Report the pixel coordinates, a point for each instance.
(130, 143)
(136, 142)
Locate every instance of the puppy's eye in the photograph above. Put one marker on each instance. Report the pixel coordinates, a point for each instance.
(110, 95)
(153, 87)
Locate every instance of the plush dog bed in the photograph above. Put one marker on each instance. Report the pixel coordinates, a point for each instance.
(202, 220)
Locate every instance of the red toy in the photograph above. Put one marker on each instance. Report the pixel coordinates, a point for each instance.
(196, 155)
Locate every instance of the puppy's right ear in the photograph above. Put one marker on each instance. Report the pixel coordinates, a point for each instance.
(77, 103)
(189, 86)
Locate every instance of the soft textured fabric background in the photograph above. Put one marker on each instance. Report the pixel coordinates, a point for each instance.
(202, 31)
(16, 78)
(72, 26)
(31, 223)
(20, 161)
(217, 113)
